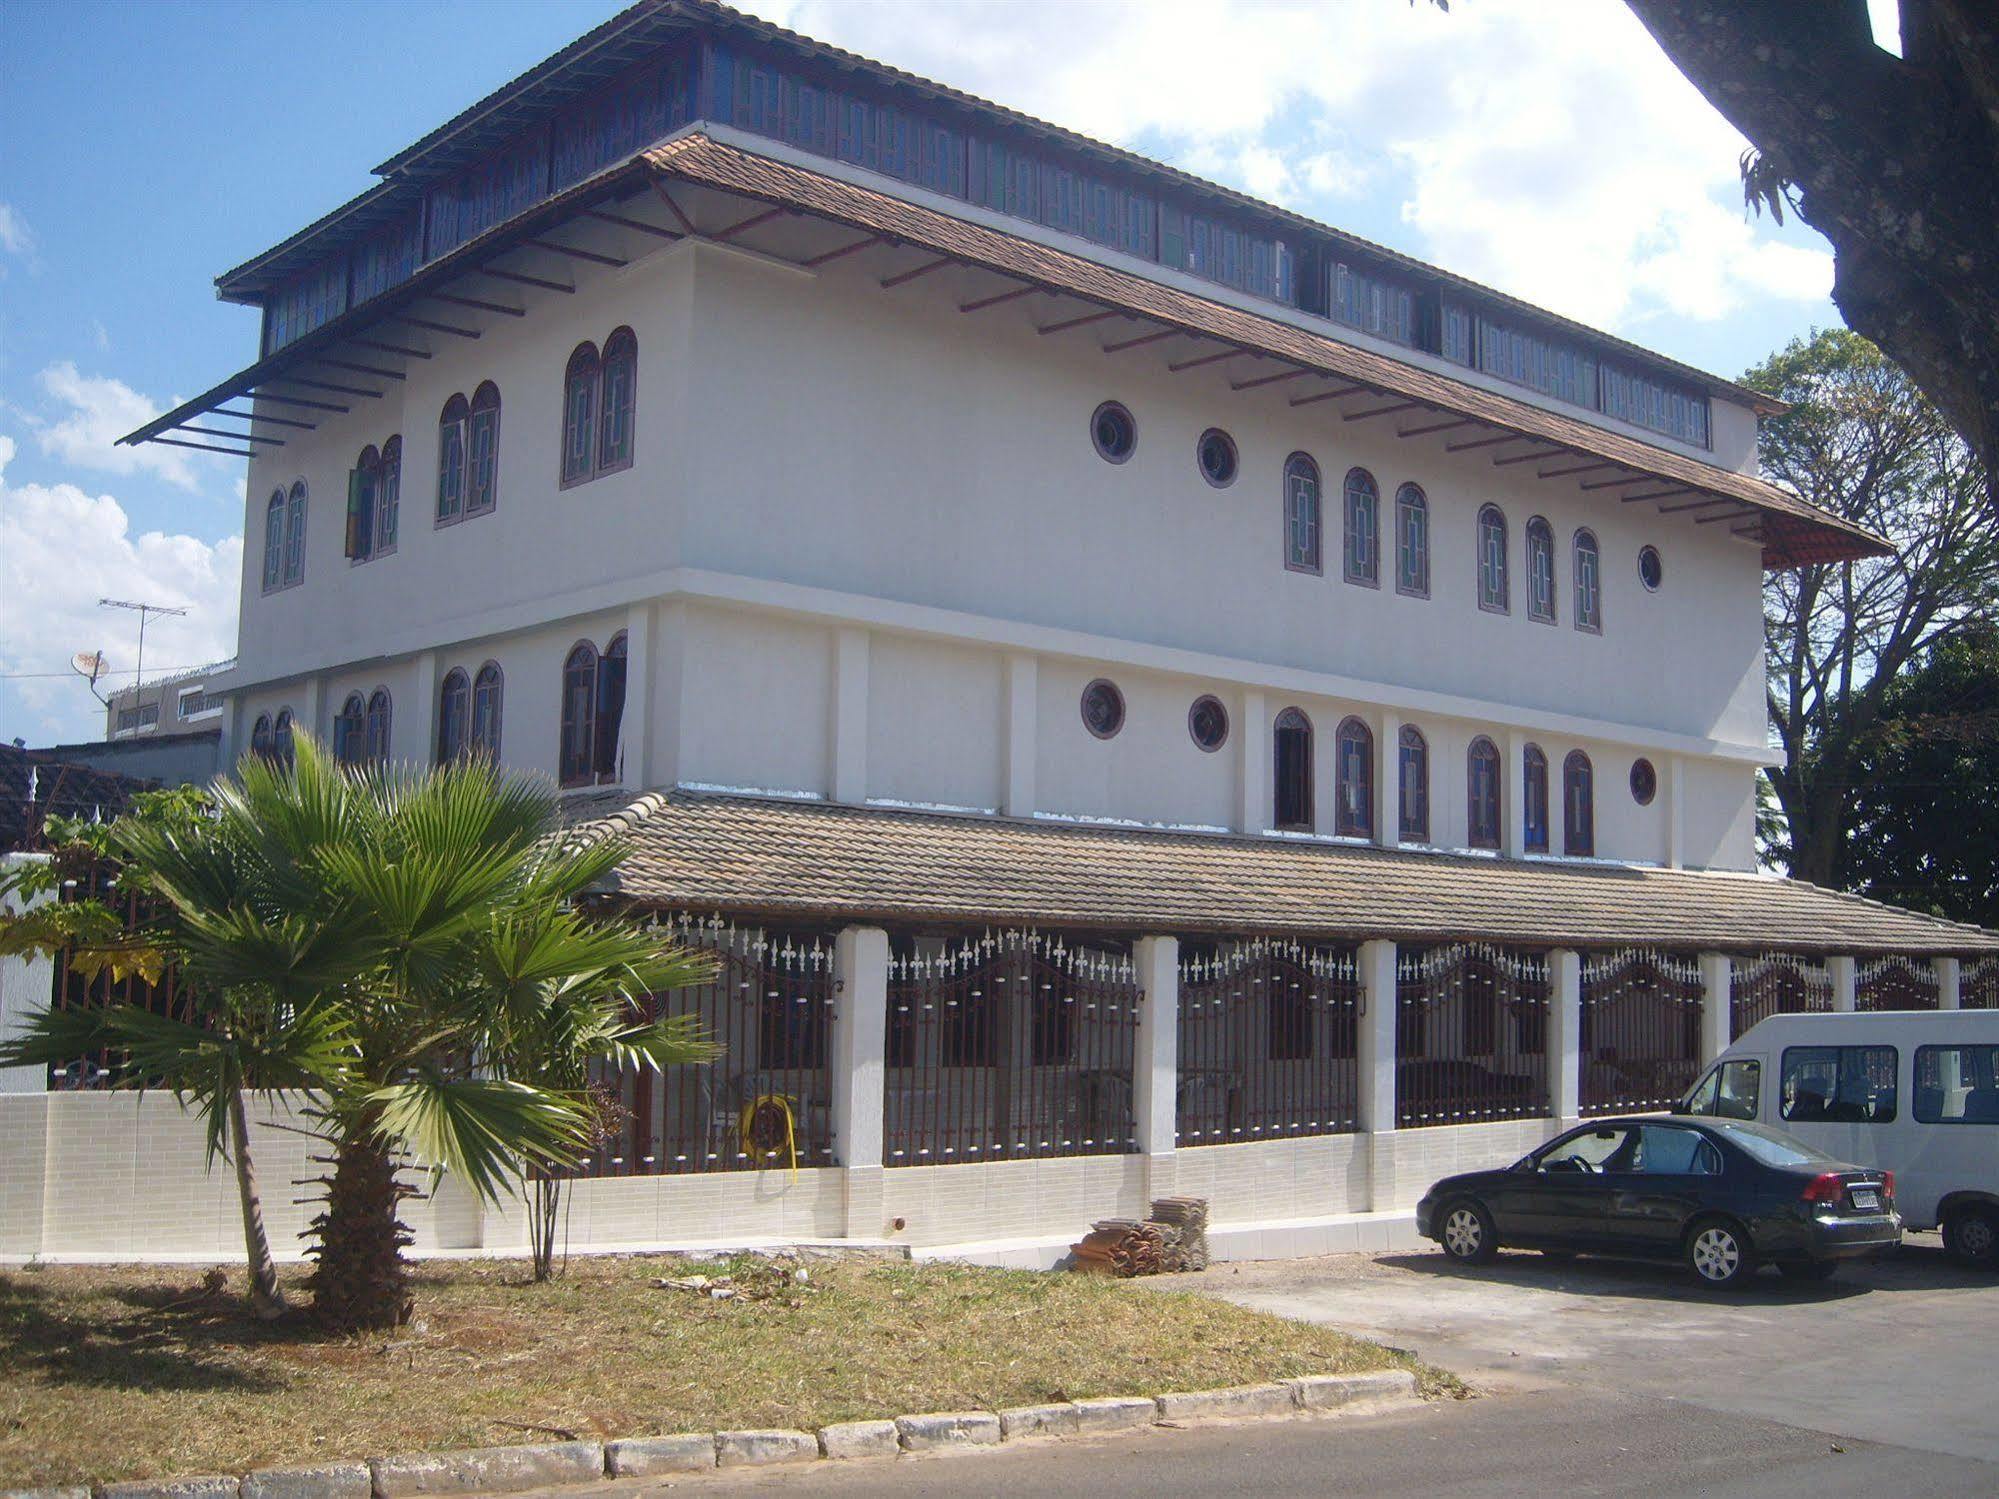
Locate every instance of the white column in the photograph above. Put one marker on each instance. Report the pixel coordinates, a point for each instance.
(1513, 795)
(1155, 1084)
(1253, 769)
(1377, 1070)
(859, 1057)
(233, 741)
(416, 722)
(1842, 971)
(1717, 1005)
(663, 699)
(1950, 983)
(1388, 778)
(1565, 1082)
(307, 708)
(26, 987)
(849, 778)
(635, 723)
(1023, 704)
(1676, 812)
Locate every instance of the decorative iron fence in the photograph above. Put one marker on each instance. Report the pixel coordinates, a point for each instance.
(1776, 984)
(1267, 1043)
(1641, 1030)
(1895, 984)
(1471, 1035)
(1978, 984)
(767, 1100)
(72, 990)
(1011, 1046)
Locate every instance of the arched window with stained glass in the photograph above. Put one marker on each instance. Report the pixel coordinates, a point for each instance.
(281, 737)
(1353, 776)
(1540, 571)
(1482, 809)
(620, 401)
(577, 761)
(1363, 528)
(579, 413)
(376, 744)
(350, 731)
(454, 701)
(274, 541)
(1301, 513)
(1413, 785)
(482, 450)
(1412, 542)
(1291, 751)
(451, 425)
(1578, 806)
(486, 710)
(1492, 593)
(260, 737)
(1589, 584)
(1534, 799)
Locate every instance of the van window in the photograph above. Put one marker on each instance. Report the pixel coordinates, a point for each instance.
(1729, 1090)
(1957, 1085)
(1839, 1084)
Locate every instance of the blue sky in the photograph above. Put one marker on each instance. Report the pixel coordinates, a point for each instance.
(1543, 146)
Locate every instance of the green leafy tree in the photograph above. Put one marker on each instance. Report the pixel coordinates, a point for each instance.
(1925, 820)
(1862, 442)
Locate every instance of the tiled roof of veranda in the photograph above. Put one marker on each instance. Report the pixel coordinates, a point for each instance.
(1792, 531)
(786, 860)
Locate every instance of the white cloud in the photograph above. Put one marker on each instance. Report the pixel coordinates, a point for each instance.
(61, 550)
(15, 236)
(1552, 151)
(99, 411)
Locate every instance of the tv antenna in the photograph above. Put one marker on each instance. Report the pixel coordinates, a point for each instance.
(144, 610)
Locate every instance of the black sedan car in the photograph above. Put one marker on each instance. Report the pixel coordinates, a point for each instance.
(1724, 1195)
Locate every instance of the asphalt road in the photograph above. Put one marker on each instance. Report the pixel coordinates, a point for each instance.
(1597, 1379)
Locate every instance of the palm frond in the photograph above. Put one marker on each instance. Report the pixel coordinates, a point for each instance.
(482, 1129)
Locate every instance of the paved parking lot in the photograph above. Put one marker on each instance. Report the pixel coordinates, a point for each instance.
(1898, 1351)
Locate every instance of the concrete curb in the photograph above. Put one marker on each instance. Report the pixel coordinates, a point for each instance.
(499, 1470)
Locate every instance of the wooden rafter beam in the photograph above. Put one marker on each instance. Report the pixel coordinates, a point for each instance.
(275, 421)
(743, 226)
(904, 277)
(1372, 411)
(332, 385)
(1490, 442)
(544, 282)
(1267, 379)
(1624, 483)
(674, 208)
(1012, 294)
(436, 327)
(1514, 458)
(1338, 392)
(1707, 504)
(813, 262)
(202, 447)
(595, 257)
(363, 369)
(1202, 359)
(276, 442)
(478, 304)
(1141, 341)
(1657, 494)
(1428, 427)
(625, 222)
(1077, 322)
(261, 394)
(389, 348)
(1709, 520)
(1576, 468)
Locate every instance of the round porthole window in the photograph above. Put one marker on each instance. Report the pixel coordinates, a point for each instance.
(1114, 432)
(1644, 782)
(1103, 709)
(1217, 457)
(1208, 722)
(1651, 571)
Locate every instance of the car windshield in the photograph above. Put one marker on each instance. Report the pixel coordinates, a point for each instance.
(1770, 1146)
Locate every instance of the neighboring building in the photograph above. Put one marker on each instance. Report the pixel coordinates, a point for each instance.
(38, 784)
(1112, 658)
(174, 704)
(189, 758)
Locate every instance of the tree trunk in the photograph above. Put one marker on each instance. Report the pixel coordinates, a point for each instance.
(267, 1300)
(361, 1281)
(546, 1200)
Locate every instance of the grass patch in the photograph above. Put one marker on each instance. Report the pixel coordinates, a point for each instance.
(133, 1372)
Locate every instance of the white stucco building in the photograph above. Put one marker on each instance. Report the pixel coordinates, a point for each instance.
(957, 553)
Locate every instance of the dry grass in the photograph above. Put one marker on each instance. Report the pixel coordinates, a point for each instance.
(130, 1372)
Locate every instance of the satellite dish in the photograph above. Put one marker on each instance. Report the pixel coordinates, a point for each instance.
(89, 665)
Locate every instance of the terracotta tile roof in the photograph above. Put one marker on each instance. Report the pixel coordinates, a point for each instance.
(795, 860)
(1794, 531)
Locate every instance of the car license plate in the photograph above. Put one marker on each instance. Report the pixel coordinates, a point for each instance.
(1864, 1197)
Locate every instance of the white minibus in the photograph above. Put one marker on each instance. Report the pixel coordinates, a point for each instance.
(1915, 1092)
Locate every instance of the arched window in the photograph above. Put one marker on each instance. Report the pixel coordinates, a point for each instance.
(451, 459)
(350, 730)
(388, 495)
(1413, 775)
(1291, 746)
(486, 710)
(364, 482)
(1492, 559)
(1412, 542)
(579, 413)
(1482, 788)
(1301, 513)
(482, 456)
(1589, 584)
(376, 747)
(295, 534)
(1578, 805)
(579, 715)
(620, 387)
(260, 737)
(274, 541)
(1363, 531)
(610, 707)
(281, 737)
(1534, 799)
(1353, 779)
(454, 702)
(1540, 571)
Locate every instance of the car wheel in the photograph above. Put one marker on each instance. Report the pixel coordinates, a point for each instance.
(1971, 1237)
(1809, 1269)
(1718, 1253)
(1467, 1234)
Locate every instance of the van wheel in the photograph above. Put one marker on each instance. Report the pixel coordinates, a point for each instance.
(1971, 1236)
(1467, 1234)
(1719, 1254)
